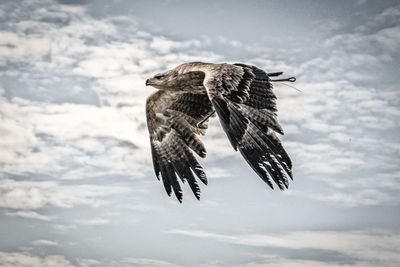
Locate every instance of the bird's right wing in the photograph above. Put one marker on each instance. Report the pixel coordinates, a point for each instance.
(243, 99)
(172, 120)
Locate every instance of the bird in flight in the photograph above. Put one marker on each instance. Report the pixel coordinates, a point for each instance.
(242, 98)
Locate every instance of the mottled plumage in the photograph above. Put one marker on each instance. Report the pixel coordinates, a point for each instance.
(241, 96)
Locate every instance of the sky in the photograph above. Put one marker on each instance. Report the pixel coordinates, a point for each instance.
(77, 186)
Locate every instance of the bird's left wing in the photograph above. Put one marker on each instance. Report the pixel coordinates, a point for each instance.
(172, 120)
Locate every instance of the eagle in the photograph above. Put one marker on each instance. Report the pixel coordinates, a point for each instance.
(188, 96)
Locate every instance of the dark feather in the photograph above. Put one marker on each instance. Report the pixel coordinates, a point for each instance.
(249, 123)
(172, 122)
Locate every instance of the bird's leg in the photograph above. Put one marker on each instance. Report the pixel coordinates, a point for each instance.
(291, 79)
(200, 124)
(273, 74)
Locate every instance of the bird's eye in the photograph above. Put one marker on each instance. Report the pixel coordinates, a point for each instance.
(158, 77)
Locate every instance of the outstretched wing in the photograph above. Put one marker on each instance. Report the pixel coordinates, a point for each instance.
(245, 104)
(172, 120)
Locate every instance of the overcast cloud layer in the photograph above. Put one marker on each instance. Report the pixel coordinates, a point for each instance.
(76, 181)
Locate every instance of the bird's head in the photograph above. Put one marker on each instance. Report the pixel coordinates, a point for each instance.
(164, 81)
(176, 80)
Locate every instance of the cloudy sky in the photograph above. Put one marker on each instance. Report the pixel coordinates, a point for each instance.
(76, 181)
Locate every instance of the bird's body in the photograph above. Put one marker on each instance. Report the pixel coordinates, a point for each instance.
(188, 95)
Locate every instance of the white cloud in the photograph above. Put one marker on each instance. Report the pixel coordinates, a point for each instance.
(18, 49)
(61, 140)
(342, 120)
(8, 259)
(88, 262)
(94, 221)
(164, 46)
(34, 195)
(370, 248)
(277, 261)
(46, 138)
(337, 128)
(38, 135)
(145, 262)
(381, 33)
(43, 242)
(357, 198)
(64, 227)
(30, 215)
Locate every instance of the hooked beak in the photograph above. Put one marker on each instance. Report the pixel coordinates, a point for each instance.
(147, 82)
